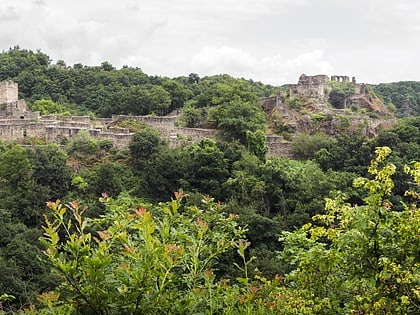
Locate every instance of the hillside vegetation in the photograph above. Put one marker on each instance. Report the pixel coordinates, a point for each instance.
(104, 91)
(405, 96)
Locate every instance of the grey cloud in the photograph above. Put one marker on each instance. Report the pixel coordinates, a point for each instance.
(268, 40)
(39, 2)
(9, 13)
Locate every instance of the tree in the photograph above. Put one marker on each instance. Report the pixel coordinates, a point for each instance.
(246, 187)
(191, 116)
(159, 100)
(82, 145)
(18, 188)
(222, 90)
(235, 119)
(22, 273)
(193, 78)
(144, 144)
(305, 146)
(162, 174)
(51, 171)
(179, 94)
(208, 168)
(256, 144)
(361, 259)
(107, 177)
(107, 66)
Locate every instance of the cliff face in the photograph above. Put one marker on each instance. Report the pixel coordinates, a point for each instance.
(306, 107)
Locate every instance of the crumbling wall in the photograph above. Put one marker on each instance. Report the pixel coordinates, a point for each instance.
(194, 134)
(342, 78)
(165, 125)
(23, 124)
(70, 119)
(278, 147)
(311, 87)
(272, 102)
(18, 131)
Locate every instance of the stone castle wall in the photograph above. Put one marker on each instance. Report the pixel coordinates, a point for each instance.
(20, 131)
(54, 134)
(271, 103)
(278, 147)
(179, 136)
(165, 125)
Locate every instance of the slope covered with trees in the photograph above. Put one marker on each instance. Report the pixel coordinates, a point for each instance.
(164, 259)
(405, 96)
(104, 90)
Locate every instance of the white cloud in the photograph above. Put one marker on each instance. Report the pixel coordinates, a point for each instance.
(271, 69)
(217, 59)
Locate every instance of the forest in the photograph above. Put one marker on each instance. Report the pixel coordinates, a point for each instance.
(212, 227)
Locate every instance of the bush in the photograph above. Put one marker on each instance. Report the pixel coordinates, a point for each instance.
(159, 260)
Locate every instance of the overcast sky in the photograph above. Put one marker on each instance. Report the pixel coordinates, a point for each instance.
(272, 41)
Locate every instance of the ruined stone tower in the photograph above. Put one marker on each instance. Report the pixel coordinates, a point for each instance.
(8, 92)
(10, 105)
(311, 87)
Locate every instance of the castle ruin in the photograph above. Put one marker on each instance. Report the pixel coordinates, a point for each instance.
(318, 88)
(18, 124)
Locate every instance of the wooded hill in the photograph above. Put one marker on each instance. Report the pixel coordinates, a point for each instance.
(103, 90)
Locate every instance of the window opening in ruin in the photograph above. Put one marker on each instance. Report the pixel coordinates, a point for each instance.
(22, 117)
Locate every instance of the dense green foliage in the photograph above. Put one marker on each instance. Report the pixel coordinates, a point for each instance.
(162, 259)
(270, 196)
(404, 95)
(361, 259)
(237, 118)
(139, 262)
